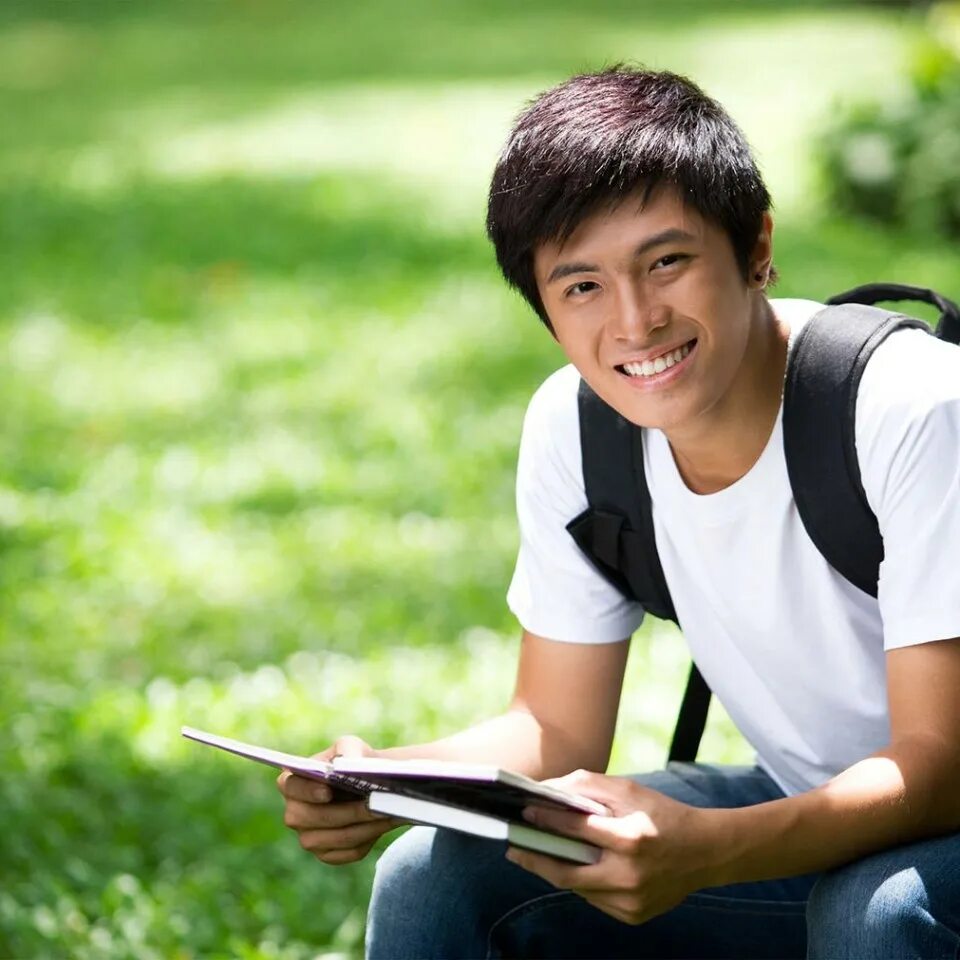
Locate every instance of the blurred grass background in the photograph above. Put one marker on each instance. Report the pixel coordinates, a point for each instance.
(261, 394)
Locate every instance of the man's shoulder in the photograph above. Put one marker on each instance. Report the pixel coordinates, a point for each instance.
(910, 389)
(909, 374)
(553, 405)
(913, 372)
(907, 413)
(550, 446)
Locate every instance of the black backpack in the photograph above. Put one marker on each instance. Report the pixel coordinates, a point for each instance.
(819, 404)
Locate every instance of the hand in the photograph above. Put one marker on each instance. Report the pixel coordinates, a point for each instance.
(337, 830)
(655, 850)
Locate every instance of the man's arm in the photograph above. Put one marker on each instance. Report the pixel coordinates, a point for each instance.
(907, 791)
(562, 715)
(658, 850)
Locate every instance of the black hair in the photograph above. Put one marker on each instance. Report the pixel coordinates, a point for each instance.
(599, 137)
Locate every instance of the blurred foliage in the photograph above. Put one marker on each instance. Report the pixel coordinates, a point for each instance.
(898, 160)
(262, 390)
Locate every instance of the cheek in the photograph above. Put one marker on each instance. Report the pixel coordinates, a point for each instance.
(722, 303)
(578, 336)
(710, 290)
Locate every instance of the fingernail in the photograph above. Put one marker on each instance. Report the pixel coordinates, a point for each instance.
(530, 814)
(321, 794)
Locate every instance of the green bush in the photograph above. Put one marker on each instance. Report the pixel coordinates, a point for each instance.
(897, 161)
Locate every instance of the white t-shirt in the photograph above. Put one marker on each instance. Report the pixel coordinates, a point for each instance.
(793, 651)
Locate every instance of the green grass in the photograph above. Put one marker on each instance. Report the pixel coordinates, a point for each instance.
(262, 392)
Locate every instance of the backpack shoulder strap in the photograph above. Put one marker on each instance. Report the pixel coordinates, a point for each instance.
(616, 531)
(819, 415)
(616, 534)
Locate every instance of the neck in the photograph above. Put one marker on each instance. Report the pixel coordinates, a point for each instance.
(727, 440)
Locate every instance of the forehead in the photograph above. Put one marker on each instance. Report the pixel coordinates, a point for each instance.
(615, 229)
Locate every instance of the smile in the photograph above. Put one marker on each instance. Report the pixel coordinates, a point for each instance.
(647, 369)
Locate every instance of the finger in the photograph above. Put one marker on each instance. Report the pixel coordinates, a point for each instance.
(616, 793)
(610, 907)
(339, 857)
(305, 816)
(620, 794)
(567, 822)
(561, 874)
(326, 755)
(305, 789)
(345, 838)
(580, 781)
(583, 826)
(607, 876)
(351, 746)
(602, 831)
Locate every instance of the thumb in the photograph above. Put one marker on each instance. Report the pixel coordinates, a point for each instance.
(350, 746)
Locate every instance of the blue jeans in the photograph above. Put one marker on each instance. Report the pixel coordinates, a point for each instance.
(441, 894)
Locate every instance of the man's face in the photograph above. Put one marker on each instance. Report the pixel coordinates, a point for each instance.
(649, 304)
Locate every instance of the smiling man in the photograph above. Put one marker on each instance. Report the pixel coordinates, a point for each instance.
(648, 303)
(627, 209)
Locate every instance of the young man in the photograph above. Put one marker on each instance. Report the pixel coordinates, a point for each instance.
(627, 209)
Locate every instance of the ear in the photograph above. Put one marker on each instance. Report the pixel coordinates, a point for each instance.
(761, 260)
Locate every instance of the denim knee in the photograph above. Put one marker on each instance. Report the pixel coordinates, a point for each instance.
(437, 893)
(402, 868)
(862, 911)
(404, 900)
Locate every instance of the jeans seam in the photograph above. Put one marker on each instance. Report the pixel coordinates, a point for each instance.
(701, 902)
(528, 906)
(710, 899)
(717, 908)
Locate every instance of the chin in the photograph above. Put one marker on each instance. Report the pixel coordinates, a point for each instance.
(650, 421)
(655, 415)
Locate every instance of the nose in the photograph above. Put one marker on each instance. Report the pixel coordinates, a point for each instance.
(636, 314)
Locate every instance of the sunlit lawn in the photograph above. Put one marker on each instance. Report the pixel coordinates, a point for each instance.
(262, 392)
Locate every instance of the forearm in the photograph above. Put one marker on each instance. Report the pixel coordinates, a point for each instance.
(900, 794)
(515, 740)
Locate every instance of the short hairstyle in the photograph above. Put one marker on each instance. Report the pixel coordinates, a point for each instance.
(599, 137)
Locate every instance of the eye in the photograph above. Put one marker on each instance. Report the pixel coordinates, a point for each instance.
(669, 260)
(581, 288)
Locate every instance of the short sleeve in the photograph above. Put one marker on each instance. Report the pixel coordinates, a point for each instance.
(555, 592)
(908, 446)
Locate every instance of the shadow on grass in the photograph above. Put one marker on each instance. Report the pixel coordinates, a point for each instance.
(165, 251)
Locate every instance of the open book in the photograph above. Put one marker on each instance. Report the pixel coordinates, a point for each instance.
(473, 798)
(302, 766)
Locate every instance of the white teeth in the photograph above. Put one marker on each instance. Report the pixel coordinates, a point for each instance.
(649, 367)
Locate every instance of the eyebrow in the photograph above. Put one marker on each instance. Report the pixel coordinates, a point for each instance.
(670, 235)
